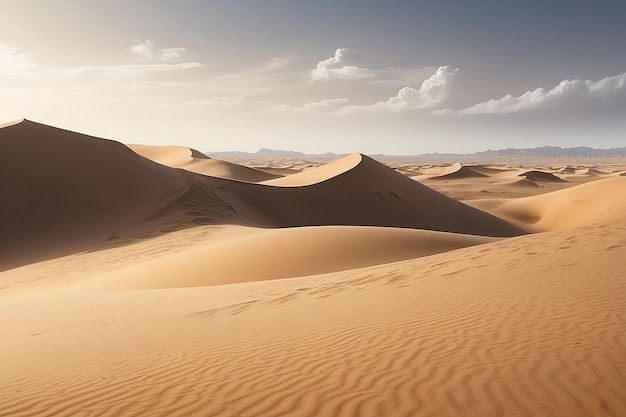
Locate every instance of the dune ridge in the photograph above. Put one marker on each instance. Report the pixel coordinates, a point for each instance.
(102, 190)
(195, 161)
(540, 176)
(338, 196)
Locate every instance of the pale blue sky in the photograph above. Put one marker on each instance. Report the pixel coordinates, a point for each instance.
(350, 76)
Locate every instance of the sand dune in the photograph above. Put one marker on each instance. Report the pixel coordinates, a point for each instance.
(462, 172)
(338, 195)
(519, 327)
(573, 207)
(195, 161)
(100, 191)
(282, 253)
(473, 171)
(524, 183)
(183, 294)
(62, 190)
(540, 176)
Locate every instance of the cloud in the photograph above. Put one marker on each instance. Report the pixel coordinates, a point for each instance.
(249, 102)
(340, 66)
(432, 92)
(568, 93)
(12, 61)
(316, 107)
(343, 65)
(15, 63)
(148, 51)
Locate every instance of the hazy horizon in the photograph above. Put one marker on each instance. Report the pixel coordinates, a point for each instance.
(402, 78)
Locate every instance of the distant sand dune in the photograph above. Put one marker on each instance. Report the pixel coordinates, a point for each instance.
(524, 183)
(540, 176)
(462, 172)
(195, 161)
(584, 204)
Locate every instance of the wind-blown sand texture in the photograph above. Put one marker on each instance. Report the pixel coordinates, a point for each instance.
(134, 284)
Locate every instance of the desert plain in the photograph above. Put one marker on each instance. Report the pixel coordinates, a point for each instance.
(155, 281)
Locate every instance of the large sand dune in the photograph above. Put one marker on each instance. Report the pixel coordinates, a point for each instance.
(142, 288)
(62, 190)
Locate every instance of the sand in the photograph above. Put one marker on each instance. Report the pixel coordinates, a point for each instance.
(136, 285)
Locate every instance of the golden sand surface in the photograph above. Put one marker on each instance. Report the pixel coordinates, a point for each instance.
(156, 281)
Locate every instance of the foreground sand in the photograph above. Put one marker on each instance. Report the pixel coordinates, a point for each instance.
(367, 321)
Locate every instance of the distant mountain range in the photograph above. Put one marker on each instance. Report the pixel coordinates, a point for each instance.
(542, 152)
(554, 151)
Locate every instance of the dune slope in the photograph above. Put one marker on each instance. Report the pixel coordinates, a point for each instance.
(60, 190)
(63, 192)
(581, 205)
(264, 254)
(520, 327)
(356, 190)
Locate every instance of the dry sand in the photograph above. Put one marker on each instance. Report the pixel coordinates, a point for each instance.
(164, 283)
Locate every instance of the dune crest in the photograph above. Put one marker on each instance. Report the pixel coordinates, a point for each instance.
(318, 174)
(356, 191)
(195, 161)
(102, 190)
(540, 176)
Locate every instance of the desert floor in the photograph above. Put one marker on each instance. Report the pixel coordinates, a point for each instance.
(155, 281)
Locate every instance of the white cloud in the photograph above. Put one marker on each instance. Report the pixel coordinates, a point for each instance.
(340, 66)
(343, 65)
(12, 61)
(19, 64)
(148, 51)
(432, 92)
(567, 93)
(225, 101)
(249, 102)
(323, 106)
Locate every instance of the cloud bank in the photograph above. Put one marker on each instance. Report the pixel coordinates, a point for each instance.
(433, 92)
(568, 93)
(15, 63)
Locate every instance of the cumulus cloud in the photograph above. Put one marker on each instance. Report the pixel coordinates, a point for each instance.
(148, 51)
(343, 65)
(567, 93)
(432, 92)
(340, 66)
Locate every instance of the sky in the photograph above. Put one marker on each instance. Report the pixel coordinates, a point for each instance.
(400, 77)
